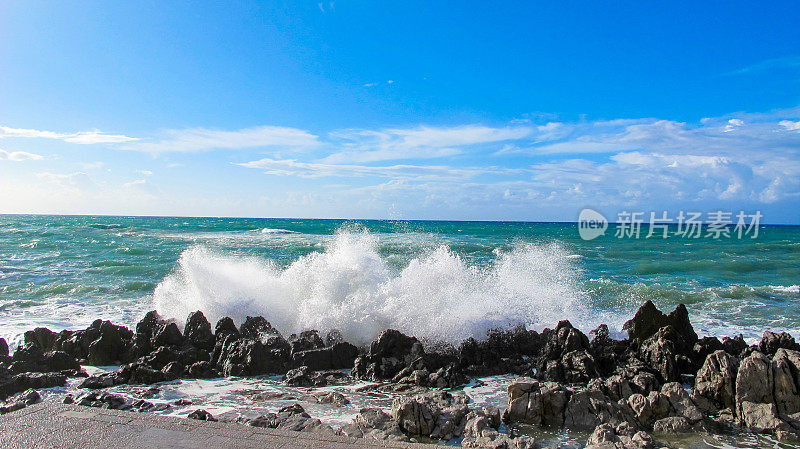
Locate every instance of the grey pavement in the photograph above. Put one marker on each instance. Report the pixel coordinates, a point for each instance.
(54, 425)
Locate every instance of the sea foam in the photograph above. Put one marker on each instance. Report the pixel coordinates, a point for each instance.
(351, 287)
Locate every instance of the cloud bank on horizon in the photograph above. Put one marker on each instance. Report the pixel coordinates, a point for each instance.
(653, 164)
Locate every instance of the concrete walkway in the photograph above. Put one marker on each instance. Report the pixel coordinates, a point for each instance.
(54, 425)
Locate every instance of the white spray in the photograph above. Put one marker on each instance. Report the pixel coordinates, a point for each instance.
(350, 287)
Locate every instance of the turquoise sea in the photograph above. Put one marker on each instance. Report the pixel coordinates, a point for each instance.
(437, 280)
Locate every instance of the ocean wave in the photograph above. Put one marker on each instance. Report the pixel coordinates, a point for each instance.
(275, 231)
(349, 286)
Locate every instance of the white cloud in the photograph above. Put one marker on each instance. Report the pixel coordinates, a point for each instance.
(201, 139)
(18, 156)
(790, 125)
(316, 170)
(360, 145)
(135, 183)
(145, 172)
(77, 181)
(83, 137)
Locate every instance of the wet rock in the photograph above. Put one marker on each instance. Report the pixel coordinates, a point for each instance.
(31, 359)
(257, 328)
(303, 377)
(414, 417)
(110, 344)
(144, 333)
(248, 357)
(203, 370)
(533, 402)
(225, 326)
(141, 373)
(606, 436)
(198, 331)
(338, 356)
(102, 399)
(734, 346)
(575, 367)
(141, 405)
(786, 372)
(333, 337)
(201, 415)
(771, 342)
(328, 397)
(716, 380)
(12, 384)
(305, 341)
(374, 423)
(102, 381)
(649, 320)
(68, 399)
(672, 424)
(166, 334)
(42, 337)
(387, 356)
(705, 347)
(3, 348)
(293, 418)
(607, 352)
(29, 397)
(173, 370)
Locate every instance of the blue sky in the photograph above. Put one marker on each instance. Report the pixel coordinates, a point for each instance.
(468, 110)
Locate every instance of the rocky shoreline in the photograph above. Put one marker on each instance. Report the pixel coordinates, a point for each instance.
(662, 380)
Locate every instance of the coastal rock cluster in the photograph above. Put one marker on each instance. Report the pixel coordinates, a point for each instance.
(662, 379)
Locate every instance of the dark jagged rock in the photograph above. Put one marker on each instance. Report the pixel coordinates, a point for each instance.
(303, 377)
(566, 355)
(225, 326)
(3, 348)
(166, 334)
(203, 370)
(12, 384)
(387, 355)
(201, 415)
(307, 340)
(42, 337)
(339, 356)
(173, 370)
(533, 402)
(703, 348)
(141, 373)
(144, 333)
(198, 331)
(31, 359)
(608, 353)
(649, 320)
(102, 343)
(103, 399)
(735, 346)
(606, 436)
(246, 357)
(503, 351)
(102, 381)
(257, 328)
(333, 337)
(772, 342)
